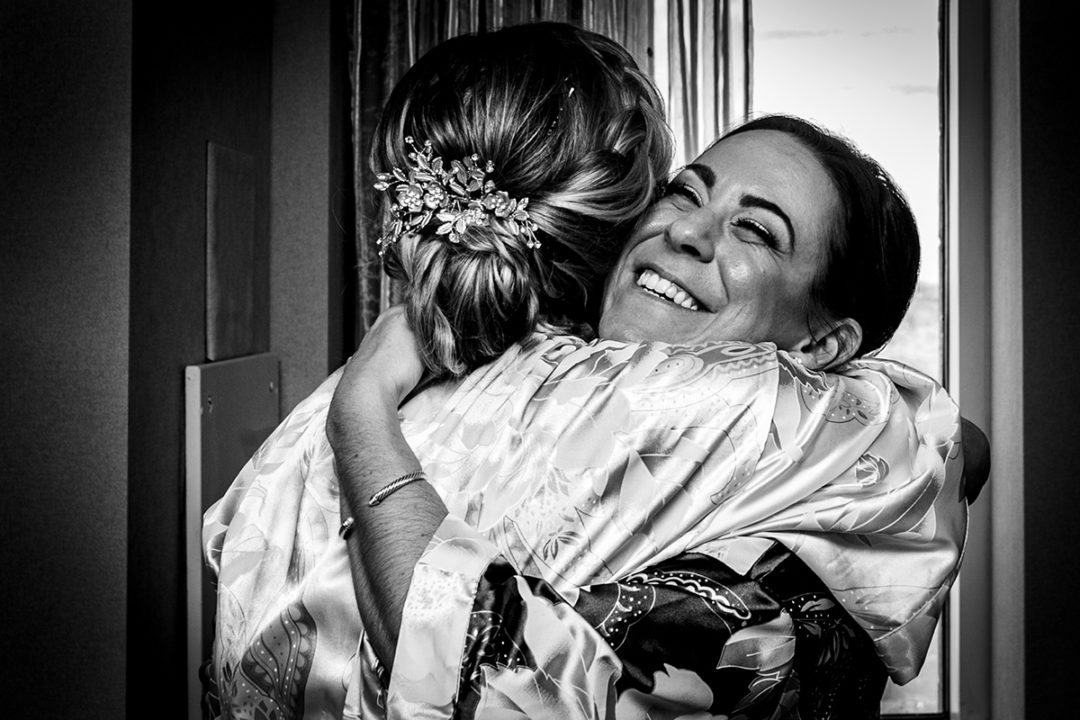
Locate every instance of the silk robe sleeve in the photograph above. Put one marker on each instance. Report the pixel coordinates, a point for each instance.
(689, 635)
(286, 628)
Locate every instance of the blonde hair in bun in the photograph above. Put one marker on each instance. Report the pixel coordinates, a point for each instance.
(567, 120)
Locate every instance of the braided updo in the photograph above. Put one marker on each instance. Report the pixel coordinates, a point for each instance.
(567, 120)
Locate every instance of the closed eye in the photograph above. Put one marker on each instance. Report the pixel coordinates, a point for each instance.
(683, 191)
(763, 233)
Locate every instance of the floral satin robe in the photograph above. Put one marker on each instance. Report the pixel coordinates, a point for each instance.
(604, 496)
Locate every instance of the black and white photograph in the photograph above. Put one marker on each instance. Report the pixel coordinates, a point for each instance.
(555, 359)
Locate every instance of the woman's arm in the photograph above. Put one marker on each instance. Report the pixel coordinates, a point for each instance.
(370, 451)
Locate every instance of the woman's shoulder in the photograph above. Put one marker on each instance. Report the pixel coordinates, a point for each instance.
(869, 389)
(557, 370)
(634, 361)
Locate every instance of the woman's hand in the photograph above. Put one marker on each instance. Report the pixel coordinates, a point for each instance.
(382, 371)
(976, 459)
(388, 357)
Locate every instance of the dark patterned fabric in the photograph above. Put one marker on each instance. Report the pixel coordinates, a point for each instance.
(837, 670)
(269, 680)
(210, 704)
(696, 614)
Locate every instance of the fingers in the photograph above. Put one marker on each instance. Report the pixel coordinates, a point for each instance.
(976, 449)
(387, 360)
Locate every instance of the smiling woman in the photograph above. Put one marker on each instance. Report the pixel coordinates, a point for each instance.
(681, 517)
(779, 232)
(595, 509)
(719, 236)
(702, 462)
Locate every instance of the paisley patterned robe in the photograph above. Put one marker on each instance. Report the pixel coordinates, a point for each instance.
(652, 474)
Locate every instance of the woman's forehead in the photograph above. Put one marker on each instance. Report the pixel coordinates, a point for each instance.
(761, 154)
(776, 166)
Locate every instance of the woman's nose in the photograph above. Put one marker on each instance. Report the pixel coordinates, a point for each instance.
(692, 234)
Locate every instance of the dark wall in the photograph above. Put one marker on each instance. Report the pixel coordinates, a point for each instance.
(311, 221)
(201, 73)
(65, 174)
(1050, 182)
(105, 116)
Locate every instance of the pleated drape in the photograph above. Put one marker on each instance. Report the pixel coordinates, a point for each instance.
(697, 50)
(707, 78)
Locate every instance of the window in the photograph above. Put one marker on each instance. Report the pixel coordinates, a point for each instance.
(871, 70)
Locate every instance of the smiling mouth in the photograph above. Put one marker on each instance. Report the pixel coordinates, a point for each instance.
(651, 282)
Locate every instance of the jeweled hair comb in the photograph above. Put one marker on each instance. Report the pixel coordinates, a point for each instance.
(458, 197)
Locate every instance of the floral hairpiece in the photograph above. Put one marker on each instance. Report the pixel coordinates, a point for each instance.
(459, 197)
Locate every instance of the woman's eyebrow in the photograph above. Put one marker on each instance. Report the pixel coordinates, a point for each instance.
(704, 172)
(753, 201)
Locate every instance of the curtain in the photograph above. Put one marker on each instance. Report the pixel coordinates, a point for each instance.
(706, 76)
(696, 50)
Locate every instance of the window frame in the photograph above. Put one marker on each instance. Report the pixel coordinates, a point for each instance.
(985, 332)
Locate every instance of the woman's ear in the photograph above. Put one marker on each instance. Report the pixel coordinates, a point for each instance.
(834, 348)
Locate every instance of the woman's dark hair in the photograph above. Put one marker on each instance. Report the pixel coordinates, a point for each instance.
(566, 119)
(873, 255)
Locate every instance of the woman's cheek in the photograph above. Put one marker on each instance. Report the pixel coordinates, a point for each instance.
(654, 223)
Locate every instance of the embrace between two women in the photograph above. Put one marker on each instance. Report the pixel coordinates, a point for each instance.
(660, 475)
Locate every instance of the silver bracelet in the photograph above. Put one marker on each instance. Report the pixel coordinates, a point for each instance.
(394, 485)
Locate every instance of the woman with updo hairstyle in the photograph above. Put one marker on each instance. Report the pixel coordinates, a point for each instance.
(566, 141)
(719, 507)
(713, 508)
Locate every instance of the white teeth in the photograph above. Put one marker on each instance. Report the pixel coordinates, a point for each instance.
(665, 288)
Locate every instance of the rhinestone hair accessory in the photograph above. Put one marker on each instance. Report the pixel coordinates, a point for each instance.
(458, 197)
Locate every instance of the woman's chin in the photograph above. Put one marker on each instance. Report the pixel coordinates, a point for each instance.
(624, 333)
(639, 319)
